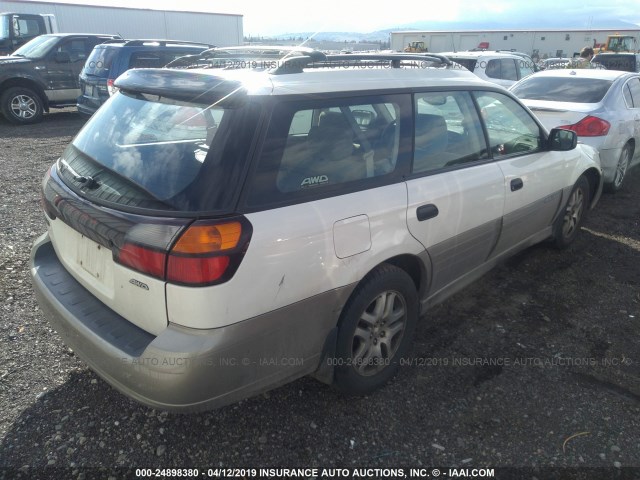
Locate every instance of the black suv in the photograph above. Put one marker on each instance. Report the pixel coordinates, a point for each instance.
(43, 74)
(110, 59)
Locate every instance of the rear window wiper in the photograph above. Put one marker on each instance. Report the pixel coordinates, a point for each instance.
(87, 180)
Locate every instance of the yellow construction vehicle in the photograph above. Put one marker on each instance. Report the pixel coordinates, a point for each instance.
(416, 47)
(619, 43)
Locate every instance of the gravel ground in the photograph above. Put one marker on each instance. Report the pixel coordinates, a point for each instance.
(537, 366)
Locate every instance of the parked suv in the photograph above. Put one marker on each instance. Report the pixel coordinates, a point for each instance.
(214, 233)
(109, 60)
(497, 67)
(43, 74)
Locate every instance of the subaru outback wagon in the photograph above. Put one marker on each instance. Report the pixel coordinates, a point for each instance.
(214, 233)
(110, 59)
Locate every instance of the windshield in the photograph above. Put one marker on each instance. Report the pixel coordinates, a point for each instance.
(147, 152)
(38, 47)
(562, 89)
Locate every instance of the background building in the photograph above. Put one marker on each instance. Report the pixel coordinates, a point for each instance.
(212, 28)
(540, 43)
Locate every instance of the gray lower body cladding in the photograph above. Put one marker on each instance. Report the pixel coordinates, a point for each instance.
(184, 369)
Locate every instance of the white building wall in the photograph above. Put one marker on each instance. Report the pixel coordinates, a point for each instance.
(547, 42)
(212, 28)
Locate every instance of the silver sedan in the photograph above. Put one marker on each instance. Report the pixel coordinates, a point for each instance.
(601, 106)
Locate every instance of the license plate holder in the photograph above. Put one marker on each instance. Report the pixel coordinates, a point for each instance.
(91, 257)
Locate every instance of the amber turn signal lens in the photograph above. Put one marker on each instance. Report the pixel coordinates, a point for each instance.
(209, 238)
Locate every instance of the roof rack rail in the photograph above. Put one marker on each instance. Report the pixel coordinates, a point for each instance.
(265, 56)
(394, 60)
(161, 42)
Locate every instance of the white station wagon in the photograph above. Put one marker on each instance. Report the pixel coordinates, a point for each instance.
(214, 233)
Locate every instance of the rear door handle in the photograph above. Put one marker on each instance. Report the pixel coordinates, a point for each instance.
(425, 212)
(516, 184)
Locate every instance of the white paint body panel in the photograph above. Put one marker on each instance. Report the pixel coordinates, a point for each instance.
(542, 174)
(465, 199)
(352, 236)
(292, 257)
(109, 281)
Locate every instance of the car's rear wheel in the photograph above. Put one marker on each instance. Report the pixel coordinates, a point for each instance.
(21, 105)
(375, 330)
(568, 223)
(621, 169)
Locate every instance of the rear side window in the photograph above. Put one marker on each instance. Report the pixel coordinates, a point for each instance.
(100, 61)
(151, 152)
(526, 67)
(313, 147)
(146, 60)
(627, 96)
(448, 131)
(502, 68)
(634, 92)
(562, 89)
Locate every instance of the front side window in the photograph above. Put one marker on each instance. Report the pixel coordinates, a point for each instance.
(510, 128)
(448, 131)
(76, 48)
(317, 146)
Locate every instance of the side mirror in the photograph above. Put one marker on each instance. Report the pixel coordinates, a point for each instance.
(562, 140)
(62, 57)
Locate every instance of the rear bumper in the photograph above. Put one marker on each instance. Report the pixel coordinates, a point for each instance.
(86, 106)
(183, 369)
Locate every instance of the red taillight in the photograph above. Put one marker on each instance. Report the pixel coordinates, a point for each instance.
(110, 87)
(204, 254)
(143, 259)
(199, 270)
(589, 127)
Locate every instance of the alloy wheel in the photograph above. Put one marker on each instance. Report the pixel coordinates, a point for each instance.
(379, 333)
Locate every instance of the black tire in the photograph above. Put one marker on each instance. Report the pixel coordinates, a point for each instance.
(21, 106)
(621, 169)
(568, 223)
(375, 330)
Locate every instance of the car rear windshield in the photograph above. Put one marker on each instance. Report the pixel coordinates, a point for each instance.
(562, 89)
(147, 152)
(99, 62)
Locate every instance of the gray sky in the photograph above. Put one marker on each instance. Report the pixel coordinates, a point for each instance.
(284, 16)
